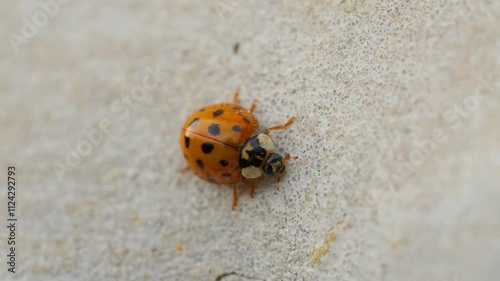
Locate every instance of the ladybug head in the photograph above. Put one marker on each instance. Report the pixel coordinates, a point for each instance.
(276, 164)
(257, 158)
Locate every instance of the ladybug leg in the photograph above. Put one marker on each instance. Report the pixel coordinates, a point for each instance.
(236, 95)
(235, 198)
(252, 107)
(280, 127)
(185, 169)
(251, 184)
(286, 158)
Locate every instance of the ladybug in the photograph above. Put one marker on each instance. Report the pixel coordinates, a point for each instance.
(220, 146)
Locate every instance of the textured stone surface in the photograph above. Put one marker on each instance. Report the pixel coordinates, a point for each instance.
(369, 82)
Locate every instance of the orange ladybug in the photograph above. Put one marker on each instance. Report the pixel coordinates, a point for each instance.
(220, 146)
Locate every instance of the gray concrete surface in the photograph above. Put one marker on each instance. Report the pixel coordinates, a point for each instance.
(397, 132)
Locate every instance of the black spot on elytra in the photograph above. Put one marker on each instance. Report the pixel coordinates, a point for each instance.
(225, 175)
(186, 141)
(236, 128)
(194, 122)
(218, 112)
(224, 163)
(200, 164)
(246, 120)
(214, 129)
(207, 147)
